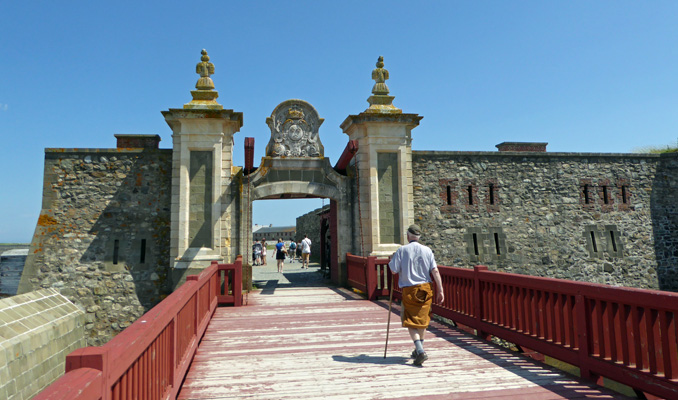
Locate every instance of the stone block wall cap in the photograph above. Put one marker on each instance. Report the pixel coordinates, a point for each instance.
(401, 118)
(524, 143)
(175, 114)
(137, 141)
(522, 146)
(98, 151)
(125, 135)
(495, 154)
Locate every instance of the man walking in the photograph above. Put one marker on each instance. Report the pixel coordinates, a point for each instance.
(416, 265)
(305, 251)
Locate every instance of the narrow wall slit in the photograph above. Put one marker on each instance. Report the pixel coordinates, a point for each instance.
(475, 243)
(116, 249)
(496, 243)
(492, 196)
(470, 194)
(593, 242)
(613, 241)
(606, 198)
(449, 195)
(586, 195)
(625, 194)
(142, 256)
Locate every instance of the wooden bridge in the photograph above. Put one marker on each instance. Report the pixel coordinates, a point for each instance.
(328, 342)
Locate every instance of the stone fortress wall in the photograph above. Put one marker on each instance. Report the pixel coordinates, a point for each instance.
(309, 224)
(604, 218)
(102, 238)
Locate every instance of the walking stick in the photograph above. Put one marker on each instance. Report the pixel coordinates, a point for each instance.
(388, 325)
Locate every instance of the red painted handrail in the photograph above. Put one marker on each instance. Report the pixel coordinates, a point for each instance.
(628, 335)
(150, 358)
(368, 274)
(79, 384)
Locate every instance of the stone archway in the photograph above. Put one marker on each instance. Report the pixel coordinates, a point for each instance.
(295, 167)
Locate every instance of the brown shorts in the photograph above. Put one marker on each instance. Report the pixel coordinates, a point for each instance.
(417, 302)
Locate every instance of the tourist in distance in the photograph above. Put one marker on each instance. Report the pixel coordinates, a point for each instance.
(280, 254)
(256, 253)
(263, 251)
(299, 250)
(305, 251)
(293, 251)
(416, 265)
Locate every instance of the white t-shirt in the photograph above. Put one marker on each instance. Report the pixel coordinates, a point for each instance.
(306, 246)
(414, 263)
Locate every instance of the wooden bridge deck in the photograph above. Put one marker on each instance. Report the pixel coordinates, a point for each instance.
(328, 343)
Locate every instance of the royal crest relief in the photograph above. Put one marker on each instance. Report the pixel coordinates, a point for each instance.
(294, 130)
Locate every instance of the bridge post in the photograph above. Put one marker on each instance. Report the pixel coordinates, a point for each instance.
(91, 357)
(478, 301)
(583, 332)
(371, 277)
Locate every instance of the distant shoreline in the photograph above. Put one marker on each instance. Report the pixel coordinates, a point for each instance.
(11, 246)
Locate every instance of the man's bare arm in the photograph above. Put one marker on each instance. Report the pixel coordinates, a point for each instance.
(440, 297)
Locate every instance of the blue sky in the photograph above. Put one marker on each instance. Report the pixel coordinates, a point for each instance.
(583, 76)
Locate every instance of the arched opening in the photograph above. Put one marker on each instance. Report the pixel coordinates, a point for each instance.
(325, 222)
(291, 220)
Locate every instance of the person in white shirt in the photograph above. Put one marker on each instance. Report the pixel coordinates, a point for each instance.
(305, 251)
(415, 265)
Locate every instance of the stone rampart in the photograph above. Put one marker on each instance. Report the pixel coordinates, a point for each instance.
(37, 331)
(604, 218)
(102, 238)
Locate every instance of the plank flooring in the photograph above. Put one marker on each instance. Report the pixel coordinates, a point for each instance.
(328, 343)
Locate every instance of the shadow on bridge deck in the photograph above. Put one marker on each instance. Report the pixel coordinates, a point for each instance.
(299, 338)
(268, 279)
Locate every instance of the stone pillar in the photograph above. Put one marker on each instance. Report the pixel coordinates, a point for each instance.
(202, 174)
(384, 164)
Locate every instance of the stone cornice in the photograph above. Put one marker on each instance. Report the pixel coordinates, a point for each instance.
(173, 115)
(407, 119)
(523, 154)
(56, 150)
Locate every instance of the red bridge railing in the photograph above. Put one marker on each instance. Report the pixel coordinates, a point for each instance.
(628, 335)
(368, 274)
(150, 358)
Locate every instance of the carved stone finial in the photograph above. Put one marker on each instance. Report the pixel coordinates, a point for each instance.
(380, 101)
(204, 69)
(205, 97)
(380, 75)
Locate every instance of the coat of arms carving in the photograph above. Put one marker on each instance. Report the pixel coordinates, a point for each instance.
(294, 130)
